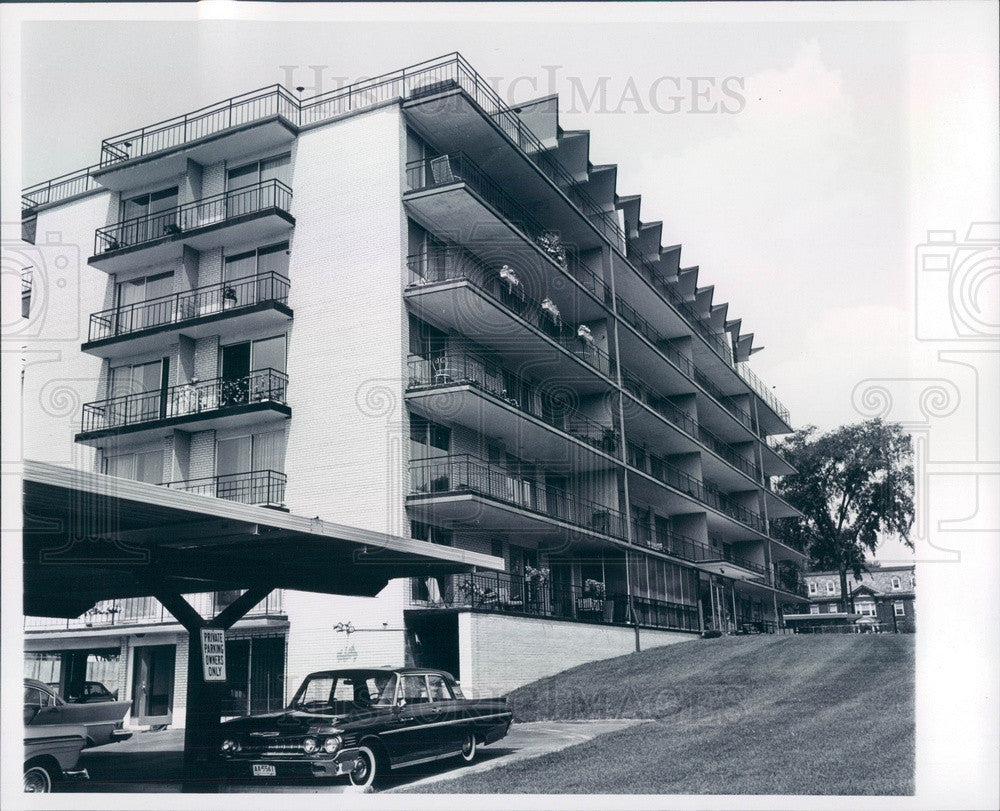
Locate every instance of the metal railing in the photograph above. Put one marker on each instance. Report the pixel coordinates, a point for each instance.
(149, 610)
(234, 112)
(260, 487)
(457, 368)
(197, 397)
(763, 391)
(59, 188)
(501, 592)
(231, 296)
(458, 473)
(663, 471)
(214, 210)
(454, 264)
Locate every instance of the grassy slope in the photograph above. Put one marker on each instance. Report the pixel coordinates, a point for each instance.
(742, 715)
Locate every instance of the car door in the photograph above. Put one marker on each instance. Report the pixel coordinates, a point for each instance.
(411, 739)
(446, 728)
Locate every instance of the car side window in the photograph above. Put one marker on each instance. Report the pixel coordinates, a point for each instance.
(382, 689)
(414, 689)
(438, 689)
(32, 697)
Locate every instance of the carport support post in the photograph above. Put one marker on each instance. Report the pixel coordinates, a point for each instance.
(204, 699)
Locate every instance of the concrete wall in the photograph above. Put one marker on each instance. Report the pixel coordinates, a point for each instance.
(512, 651)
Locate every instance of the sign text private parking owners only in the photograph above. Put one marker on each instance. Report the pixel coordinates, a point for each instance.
(213, 653)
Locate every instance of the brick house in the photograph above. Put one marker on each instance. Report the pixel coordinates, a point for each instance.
(885, 593)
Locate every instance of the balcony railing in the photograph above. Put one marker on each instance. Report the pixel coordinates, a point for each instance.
(688, 425)
(763, 391)
(215, 210)
(660, 469)
(59, 188)
(206, 398)
(501, 592)
(465, 473)
(454, 265)
(442, 73)
(149, 611)
(261, 487)
(231, 296)
(451, 369)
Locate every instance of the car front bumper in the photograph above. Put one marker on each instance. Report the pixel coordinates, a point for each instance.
(242, 765)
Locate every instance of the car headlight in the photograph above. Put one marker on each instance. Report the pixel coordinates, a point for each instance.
(230, 745)
(331, 745)
(309, 745)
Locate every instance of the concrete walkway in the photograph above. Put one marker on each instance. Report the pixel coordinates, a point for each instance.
(152, 762)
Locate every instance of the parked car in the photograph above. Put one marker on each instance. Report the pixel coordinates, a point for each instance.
(85, 692)
(104, 720)
(362, 723)
(52, 753)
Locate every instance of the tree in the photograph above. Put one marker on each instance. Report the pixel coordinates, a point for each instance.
(852, 485)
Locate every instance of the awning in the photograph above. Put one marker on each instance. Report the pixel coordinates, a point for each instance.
(90, 537)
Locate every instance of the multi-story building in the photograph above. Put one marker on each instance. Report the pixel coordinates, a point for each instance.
(887, 594)
(405, 307)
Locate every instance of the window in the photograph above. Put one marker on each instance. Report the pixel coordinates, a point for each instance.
(895, 583)
(913, 581)
(276, 168)
(258, 262)
(813, 587)
(257, 452)
(428, 439)
(426, 532)
(139, 467)
(899, 609)
(833, 608)
(865, 609)
(830, 588)
(133, 312)
(26, 280)
(438, 689)
(137, 392)
(148, 216)
(247, 371)
(414, 689)
(814, 609)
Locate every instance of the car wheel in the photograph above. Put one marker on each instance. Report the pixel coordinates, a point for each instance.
(469, 747)
(370, 768)
(37, 779)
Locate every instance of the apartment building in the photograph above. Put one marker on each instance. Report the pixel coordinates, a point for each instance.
(406, 307)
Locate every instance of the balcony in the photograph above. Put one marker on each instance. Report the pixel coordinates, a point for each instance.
(263, 488)
(58, 189)
(260, 211)
(242, 125)
(704, 493)
(454, 290)
(253, 304)
(199, 406)
(135, 611)
(463, 490)
(500, 592)
(468, 390)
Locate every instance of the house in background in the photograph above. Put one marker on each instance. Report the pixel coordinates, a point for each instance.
(885, 594)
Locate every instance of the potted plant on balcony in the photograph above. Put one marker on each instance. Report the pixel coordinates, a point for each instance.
(592, 601)
(594, 589)
(551, 243)
(171, 229)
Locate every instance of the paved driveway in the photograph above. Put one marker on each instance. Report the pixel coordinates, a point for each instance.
(153, 762)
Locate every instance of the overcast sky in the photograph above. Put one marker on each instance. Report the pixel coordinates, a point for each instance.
(845, 140)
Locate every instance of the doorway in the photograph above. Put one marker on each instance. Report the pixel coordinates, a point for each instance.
(153, 684)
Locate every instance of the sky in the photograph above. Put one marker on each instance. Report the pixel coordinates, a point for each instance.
(801, 194)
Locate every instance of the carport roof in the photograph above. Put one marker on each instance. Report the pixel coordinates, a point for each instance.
(90, 537)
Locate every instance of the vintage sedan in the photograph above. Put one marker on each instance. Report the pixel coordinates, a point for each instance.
(362, 723)
(104, 720)
(52, 753)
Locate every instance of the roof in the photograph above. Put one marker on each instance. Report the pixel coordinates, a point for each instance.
(90, 537)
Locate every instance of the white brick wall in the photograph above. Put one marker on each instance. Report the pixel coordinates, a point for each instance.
(512, 651)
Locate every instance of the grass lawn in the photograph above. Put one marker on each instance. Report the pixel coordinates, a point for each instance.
(740, 715)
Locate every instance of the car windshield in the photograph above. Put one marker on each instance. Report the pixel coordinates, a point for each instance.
(321, 691)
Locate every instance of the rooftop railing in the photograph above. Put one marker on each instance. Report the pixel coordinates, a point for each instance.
(215, 210)
(519, 488)
(187, 399)
(453, 368)
(260, 487)
(59, 188)
(230, 296)
(455, 264)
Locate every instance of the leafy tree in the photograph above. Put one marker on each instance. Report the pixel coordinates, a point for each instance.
(852, 485)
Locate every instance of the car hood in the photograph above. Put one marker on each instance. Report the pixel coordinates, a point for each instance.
(297, 722)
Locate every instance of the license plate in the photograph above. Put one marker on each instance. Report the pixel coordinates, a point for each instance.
(263, 770)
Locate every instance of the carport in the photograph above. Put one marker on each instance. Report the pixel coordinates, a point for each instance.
(90, 537)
